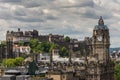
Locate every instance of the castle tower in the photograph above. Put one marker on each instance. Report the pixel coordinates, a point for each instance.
(99, 65)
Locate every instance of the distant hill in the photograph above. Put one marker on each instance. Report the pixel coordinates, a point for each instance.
(114, 49)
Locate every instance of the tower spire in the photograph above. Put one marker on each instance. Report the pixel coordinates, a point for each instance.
(100, 22)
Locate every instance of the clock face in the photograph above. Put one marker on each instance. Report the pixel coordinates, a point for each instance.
(99, 38)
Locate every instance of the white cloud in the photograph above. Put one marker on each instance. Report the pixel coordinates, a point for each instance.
(75, 18)
(71, 1)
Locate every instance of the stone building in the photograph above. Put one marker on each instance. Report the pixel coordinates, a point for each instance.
(98, 64)
(61, 75)
(2, 52)
(13, 38)
(51, 38)
(17, 36)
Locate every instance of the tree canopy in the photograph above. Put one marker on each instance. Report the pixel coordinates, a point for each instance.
(3, 43)
(38, 47)
(12, 62)
(64, 52)
(67, 39)
(53, 46)
(46, 47)
(33, 44)
(21, 43)
(19, 61)
(32, 68)
(117, 70)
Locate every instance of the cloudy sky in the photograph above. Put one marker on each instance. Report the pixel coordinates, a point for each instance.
(74, 18)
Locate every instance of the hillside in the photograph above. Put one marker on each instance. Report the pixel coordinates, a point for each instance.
(114, 49)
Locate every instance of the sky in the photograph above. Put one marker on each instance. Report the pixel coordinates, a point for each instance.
(74, 18)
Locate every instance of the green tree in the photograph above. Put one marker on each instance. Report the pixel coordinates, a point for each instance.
(4, 62)
(41, 47)
(64, 52)
(45, 46)
(38, 47)
(117, 70)
(19, 61)
(21, 43)
(67, 39)
(8, 62)
(3, 43)
(34, 49)
(12, 62)
(32, 68)
(33, 44)
(53, 46)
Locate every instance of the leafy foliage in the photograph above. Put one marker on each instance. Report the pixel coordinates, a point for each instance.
(64, 52)
(117, 70)
(12, 62)
(42, 46)
(46, 47)
(33, 44)
(3, 43)
(67, 39)
(21, 43)
(8, 62)
(53, 46)
(32, 68)
(19, 61)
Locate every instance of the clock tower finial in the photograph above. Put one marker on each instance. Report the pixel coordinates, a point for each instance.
(100, 22)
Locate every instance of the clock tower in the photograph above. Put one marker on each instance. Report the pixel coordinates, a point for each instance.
(99, 65)
(101, 41)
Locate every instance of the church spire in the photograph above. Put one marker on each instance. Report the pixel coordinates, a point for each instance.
(100, 22)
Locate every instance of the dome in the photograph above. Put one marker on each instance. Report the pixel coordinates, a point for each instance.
(103, 27)
(100, 25)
